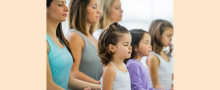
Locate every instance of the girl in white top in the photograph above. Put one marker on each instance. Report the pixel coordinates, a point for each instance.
(110, 11)
(159, 63)
(113, 47)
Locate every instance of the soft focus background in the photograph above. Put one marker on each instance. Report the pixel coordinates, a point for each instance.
(140, 13)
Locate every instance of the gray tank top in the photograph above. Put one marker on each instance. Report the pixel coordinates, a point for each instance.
(90, 63)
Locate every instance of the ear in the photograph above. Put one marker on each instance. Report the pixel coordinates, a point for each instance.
(135, 48)
(111, 48)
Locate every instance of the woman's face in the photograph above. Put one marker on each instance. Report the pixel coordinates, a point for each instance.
(57, 11)
(93, 12)
(116, 11)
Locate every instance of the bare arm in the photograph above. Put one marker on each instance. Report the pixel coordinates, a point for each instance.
(50, 83)
(108, 77)
(153, 64)
(79, 84)
(76, 46)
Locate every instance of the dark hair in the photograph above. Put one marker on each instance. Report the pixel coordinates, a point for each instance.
(77, 16)
(137, 35)
(59, 33)
(156, 30)
(111, 35)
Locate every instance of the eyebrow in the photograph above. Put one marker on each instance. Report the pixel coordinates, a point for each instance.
(147, 40)
(94, 4)
(61, 1)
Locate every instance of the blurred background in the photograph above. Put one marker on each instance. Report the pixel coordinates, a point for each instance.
(140, 13)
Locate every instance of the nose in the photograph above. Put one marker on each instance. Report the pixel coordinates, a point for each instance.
(98, 11)
(122, 11)
(130, 47)
(66, 9)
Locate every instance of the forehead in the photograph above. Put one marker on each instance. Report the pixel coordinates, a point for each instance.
(57, 1)
(93, 2)
(146, 36)
(125, 37)
(116, 2)
(168, 30)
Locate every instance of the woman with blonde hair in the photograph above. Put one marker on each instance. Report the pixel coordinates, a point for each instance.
(110, 11)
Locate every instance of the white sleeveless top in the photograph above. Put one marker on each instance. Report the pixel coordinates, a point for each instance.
(121, 81)
(164, 72)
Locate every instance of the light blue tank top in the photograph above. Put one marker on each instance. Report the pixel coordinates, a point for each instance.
(60, 61)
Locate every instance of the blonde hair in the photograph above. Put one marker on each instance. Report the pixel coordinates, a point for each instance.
(105, 15)
(77, 16)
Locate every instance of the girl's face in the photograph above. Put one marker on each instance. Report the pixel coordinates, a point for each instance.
(57, 11)
(123, 47)
(116, 11)
(93, 12)
(167, 36)
(144, 47)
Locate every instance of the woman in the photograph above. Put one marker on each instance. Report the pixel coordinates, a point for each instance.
(83, 16)
(110, 11)
(59, 58)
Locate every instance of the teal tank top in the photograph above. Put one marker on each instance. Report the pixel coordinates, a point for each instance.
(60, 61)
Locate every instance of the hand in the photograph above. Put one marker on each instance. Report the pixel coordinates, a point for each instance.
(99, 82)
(87, 88)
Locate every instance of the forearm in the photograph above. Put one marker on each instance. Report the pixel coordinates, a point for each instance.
(81, 76)
(79, 84)
(53, 86)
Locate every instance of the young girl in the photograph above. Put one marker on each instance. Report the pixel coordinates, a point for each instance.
(110, 11)
(139, 74)
(59, 58)
(113, 48)
(159, 63)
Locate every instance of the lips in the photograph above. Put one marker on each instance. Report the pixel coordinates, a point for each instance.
(65, 15)
(97, 16)
(129, 52)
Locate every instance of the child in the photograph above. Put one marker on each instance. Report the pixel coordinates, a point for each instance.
(159, 63)
(113, 48)
(139, 74)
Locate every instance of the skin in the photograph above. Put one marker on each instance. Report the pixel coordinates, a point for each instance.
(77, 43)
(122, 51)
(55, 15)
(153, 61)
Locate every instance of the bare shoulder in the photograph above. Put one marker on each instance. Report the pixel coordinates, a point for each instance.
(109, 70)
(74, 38)
(153, 59)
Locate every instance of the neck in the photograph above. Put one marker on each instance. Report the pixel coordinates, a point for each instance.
(138, 57)
(162, 52)
(88, 28)
(51, 27)
(117, 61)
(107, 24)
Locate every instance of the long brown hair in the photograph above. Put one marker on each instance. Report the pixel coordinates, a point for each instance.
(77, 16)
(156, 30)
(60, 35)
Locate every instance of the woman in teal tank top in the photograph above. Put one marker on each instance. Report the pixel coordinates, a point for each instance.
(59, 57)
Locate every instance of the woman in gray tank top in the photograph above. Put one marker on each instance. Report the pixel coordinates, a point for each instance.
(87, 65)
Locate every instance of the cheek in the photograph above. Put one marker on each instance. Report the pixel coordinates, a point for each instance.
(114, 14)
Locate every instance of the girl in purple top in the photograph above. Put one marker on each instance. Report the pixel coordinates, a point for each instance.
(141, 46)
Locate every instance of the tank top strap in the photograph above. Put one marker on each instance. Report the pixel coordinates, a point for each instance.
(113, 65)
